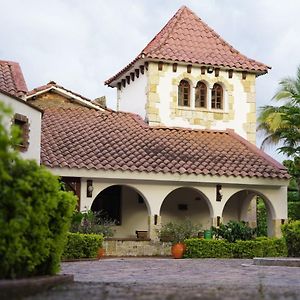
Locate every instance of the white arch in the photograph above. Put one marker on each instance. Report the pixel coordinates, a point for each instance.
(129, 186)
(210, 207)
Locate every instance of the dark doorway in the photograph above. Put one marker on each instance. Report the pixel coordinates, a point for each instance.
(108, 202)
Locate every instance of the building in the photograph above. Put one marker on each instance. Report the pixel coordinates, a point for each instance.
(193, 157)
(188, 76)
(28, 117)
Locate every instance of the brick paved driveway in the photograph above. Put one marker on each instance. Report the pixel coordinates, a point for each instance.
(155, 278)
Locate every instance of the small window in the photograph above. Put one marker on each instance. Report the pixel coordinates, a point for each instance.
(22, 122)
(217, 97)
(184, 93)
(200, 95)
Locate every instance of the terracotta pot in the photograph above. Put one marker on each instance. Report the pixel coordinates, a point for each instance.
(178, 250)
(100, 253)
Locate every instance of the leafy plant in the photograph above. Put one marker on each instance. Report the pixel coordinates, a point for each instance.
(178, 232)
(261, 213)
(34, 213)
(234, 231)
(92, 222)
(82, 245)
(291, 234)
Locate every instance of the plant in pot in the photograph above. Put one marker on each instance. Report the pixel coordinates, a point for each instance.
(176, 233)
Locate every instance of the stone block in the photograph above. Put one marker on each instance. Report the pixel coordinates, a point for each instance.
(218, 116)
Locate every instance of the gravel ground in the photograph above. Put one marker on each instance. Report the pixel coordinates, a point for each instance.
(153, 278)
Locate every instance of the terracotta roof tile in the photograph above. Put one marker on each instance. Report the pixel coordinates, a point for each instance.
(11, 79)
(186, 38)
(85, 138)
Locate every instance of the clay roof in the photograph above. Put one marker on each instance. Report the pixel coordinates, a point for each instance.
(186, 38)
(11, 78)
(53, 86)
(105, 140)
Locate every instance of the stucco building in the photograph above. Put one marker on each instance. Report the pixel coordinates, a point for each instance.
(28, 117)
(192, 152)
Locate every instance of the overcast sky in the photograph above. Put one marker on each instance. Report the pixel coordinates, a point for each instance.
(79, 44)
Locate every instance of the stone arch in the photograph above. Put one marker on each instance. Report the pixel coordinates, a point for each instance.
(126, 205)
(185, 202)
(237, 205)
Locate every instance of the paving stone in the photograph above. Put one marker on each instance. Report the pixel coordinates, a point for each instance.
(161, 278)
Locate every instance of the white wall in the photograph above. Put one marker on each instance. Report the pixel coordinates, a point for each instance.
(133, 97)
(241, 107)
(34, 118)
(197, 208)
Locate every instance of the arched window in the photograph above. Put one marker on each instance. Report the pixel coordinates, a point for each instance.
(217, 96)
(200, 95)
(184, 93)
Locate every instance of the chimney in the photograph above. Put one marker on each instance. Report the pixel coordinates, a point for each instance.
(101, 101)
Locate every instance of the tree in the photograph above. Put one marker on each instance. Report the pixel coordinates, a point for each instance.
(281, 124)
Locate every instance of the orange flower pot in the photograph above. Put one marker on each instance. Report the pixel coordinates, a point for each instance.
(178, 250)
(100, 253)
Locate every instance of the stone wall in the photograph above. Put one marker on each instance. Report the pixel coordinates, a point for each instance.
(136, 248)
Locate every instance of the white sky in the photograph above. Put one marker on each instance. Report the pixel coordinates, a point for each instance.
(79, 44)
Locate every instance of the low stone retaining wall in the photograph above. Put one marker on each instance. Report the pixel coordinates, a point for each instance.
(119, 247)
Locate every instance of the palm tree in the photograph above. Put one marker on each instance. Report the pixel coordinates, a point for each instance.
(282, 123)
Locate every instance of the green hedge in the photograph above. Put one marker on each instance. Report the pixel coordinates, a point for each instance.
(294, 210)
(81, 245)
(291, 234)
(260, 247)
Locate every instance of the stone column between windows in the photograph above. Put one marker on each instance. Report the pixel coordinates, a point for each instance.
(208, 98)
(192, 104)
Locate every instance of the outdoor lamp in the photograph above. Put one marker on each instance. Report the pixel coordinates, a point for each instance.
(219, 192)
(89, 188)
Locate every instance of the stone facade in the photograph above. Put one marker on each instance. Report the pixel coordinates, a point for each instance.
(136, 248)
(239, 108)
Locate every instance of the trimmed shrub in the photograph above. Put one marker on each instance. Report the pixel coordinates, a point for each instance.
(291, 234)
(200, 248)
(81, 245)
(34, 214)
(261, 247)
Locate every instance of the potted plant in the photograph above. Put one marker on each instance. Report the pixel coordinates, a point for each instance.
(176, 233)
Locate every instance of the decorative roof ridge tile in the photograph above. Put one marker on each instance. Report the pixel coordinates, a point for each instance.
(255, 149)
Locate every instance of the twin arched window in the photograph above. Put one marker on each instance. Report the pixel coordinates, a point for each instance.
(184, 95)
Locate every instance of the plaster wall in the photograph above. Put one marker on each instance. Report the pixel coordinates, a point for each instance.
(155, 193)
(238, 113)
(34, 118)
(132, 97)
(197, 209)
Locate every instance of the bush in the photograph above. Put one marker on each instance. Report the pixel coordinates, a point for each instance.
(200, 248)
(261, 247)
(92, 222)
(34, 214)
(294, 210)
(261, 213)
(82, 245)
(178, 232)
(234, 231)
(291, 234)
